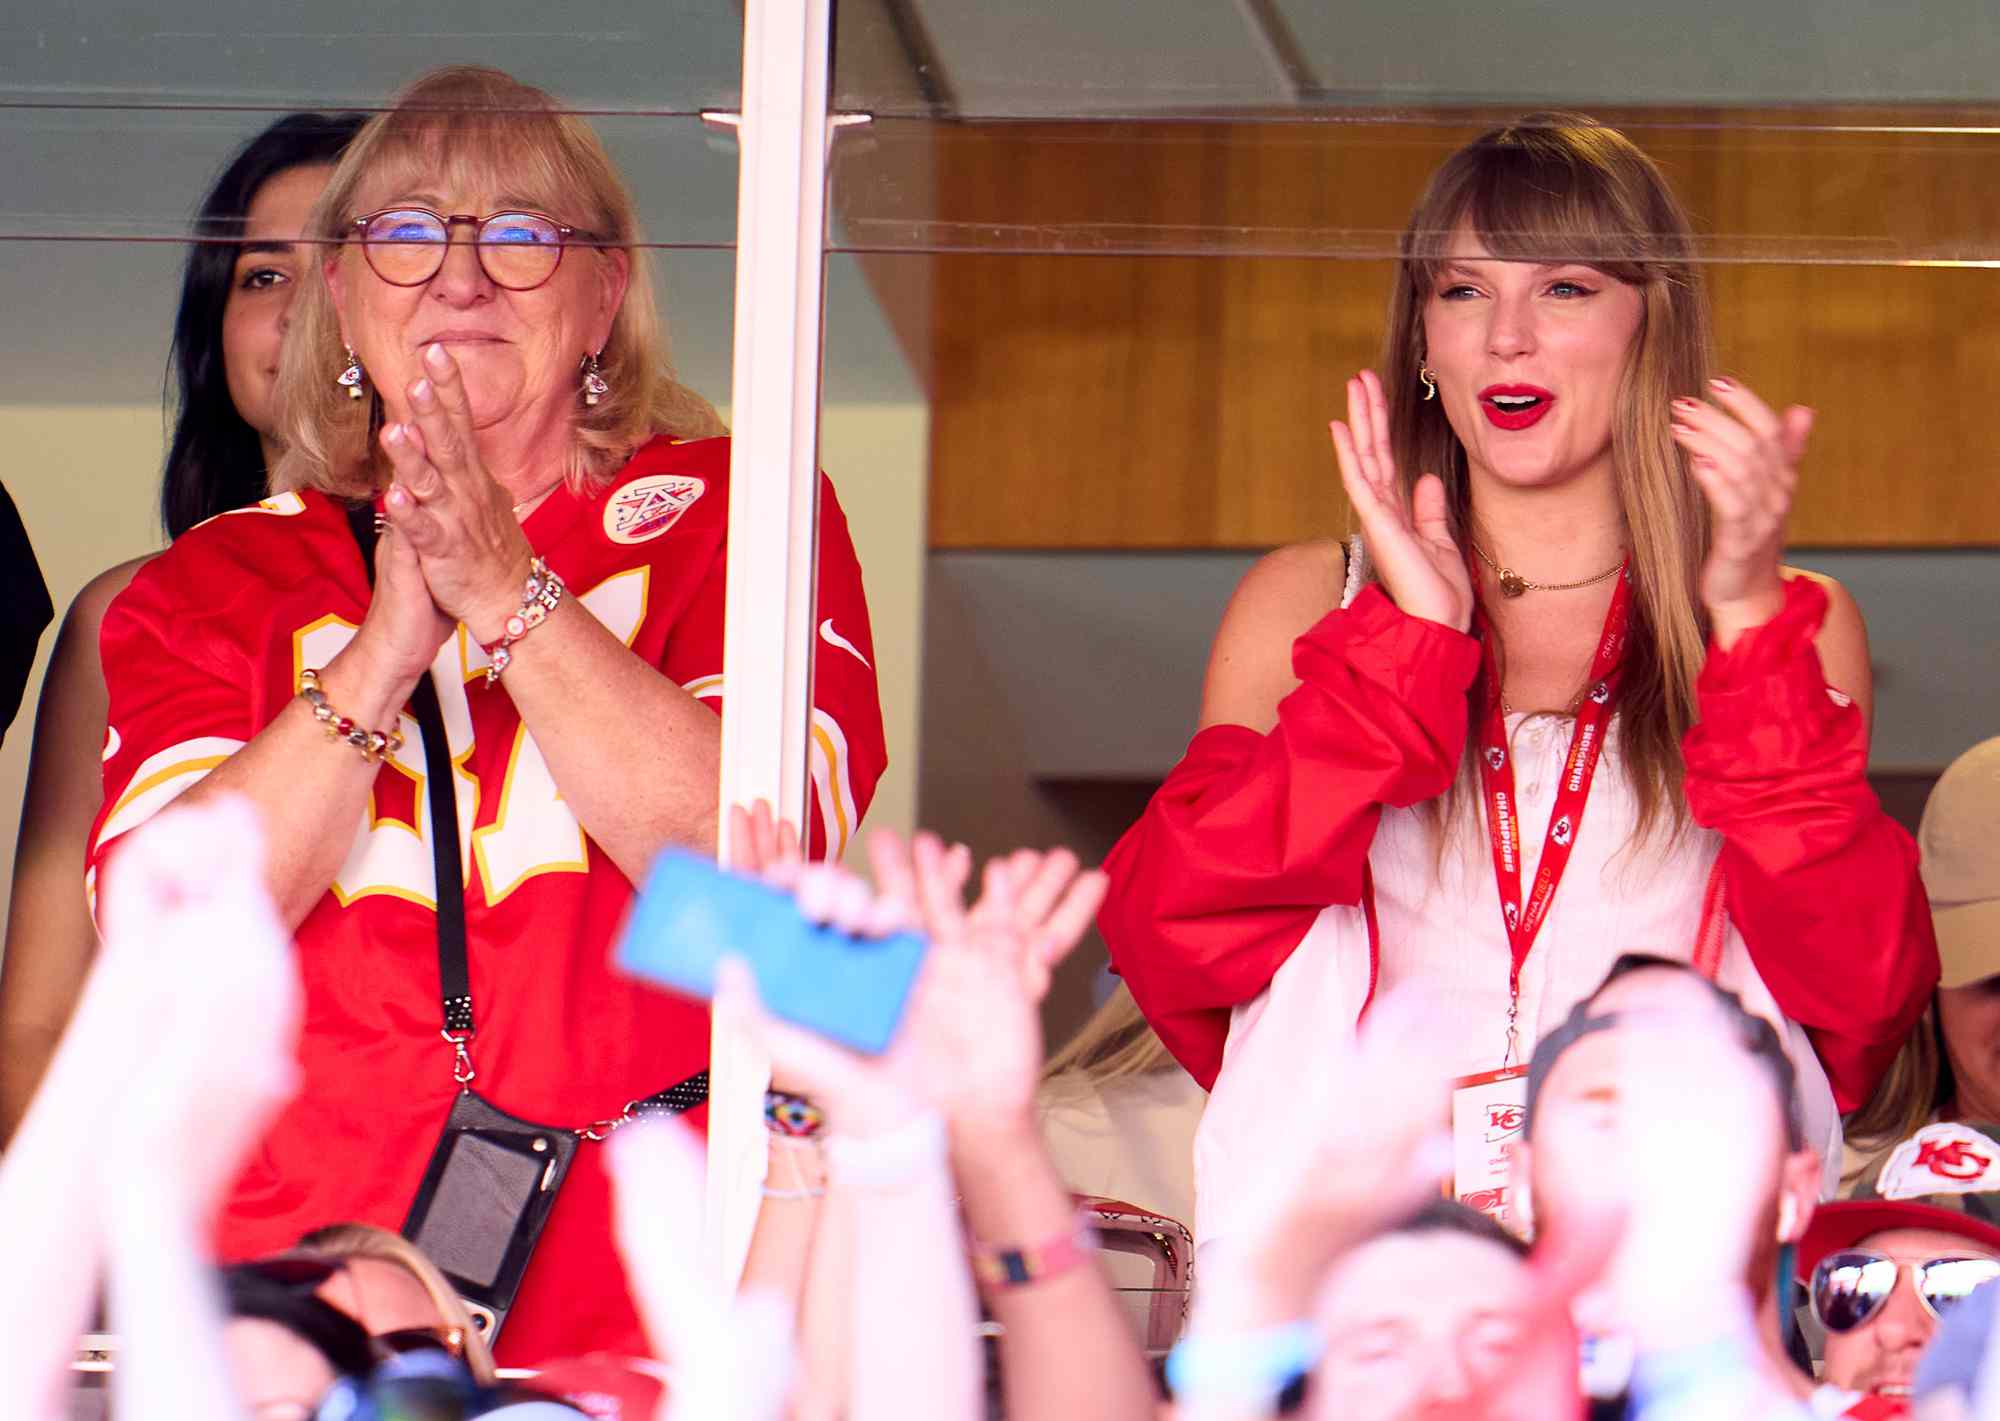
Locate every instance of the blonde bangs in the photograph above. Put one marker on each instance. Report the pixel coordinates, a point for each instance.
(521, 158)
(1553, 188)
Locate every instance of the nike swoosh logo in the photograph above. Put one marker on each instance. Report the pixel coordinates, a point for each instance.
(833, 638)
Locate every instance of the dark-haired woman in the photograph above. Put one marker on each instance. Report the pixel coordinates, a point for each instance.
(1568, 591)
(235, 294)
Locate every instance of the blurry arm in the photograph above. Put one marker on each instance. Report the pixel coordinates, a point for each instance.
(50, 1252)
(1068, 1349)
(212, 1070)
(915, 1322)
(169, 1312)
(50, 937)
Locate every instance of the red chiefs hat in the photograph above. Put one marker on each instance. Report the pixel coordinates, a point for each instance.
(1944, 1177)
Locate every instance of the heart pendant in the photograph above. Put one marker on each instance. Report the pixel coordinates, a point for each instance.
(1512, 583)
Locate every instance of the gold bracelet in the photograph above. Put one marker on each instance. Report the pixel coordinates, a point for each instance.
(373, 744)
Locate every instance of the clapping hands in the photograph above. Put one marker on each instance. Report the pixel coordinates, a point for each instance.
(970, 1041)
(1744, 457)
(1410, 541)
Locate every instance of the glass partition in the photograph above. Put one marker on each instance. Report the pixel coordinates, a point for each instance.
(1129, 261)
(117, 117)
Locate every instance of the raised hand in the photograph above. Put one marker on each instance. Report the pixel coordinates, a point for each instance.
(456, 517)
(1420, 564)
(765, 846)
(970, 1040)
(1046, 901)
(1745, 460)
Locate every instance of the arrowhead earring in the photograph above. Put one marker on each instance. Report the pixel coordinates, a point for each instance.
(350, 378)
(594, 386)
(1430, 379)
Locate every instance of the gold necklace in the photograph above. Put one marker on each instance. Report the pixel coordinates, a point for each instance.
(1512, 584)
(535, 498)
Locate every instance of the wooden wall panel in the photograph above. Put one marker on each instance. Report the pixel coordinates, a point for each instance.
(1161, 401)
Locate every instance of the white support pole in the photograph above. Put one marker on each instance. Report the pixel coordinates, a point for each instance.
(773, 508)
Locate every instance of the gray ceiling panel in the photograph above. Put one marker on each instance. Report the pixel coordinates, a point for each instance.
(1044, 58)
(1555, 52)
(614, 54)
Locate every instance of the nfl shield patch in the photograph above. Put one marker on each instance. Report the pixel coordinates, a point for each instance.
(646, 508)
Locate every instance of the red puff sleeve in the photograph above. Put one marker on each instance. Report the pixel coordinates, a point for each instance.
(1822, 884)
(1252, 835)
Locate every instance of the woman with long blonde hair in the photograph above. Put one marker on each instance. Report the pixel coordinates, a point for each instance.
(1567, 591)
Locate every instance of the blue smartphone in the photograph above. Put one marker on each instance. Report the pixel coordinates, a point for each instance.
(692, 914)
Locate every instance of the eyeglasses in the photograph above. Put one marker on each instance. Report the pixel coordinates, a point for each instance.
(1850, 1287)
(406, 246)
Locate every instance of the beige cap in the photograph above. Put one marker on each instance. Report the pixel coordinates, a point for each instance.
(1960, 842)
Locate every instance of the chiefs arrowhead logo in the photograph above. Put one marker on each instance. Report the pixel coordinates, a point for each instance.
(1561, 830)
(1953, 1159)
(1512, 913)
(646, 508)
(1600, 693)
(1495, 757)
(1504, 1120)
(1942, 1158)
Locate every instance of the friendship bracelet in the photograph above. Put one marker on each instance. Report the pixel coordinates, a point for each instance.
(793, 1195)
(792, 1116)
(373, 744)
(1021, 1264)
(544, 591)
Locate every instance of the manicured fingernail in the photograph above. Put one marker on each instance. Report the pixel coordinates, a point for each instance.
(392, 434)
(1680, 428)
(1723, 382)
(1689, 405)
(421, 394)
(397, 497)
(435, 357)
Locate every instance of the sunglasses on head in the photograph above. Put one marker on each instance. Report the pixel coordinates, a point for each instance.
(1850, 1287)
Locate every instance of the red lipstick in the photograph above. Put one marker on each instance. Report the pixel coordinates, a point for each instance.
(1515, 406)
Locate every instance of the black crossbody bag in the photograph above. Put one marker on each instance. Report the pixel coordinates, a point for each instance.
(493, 1177)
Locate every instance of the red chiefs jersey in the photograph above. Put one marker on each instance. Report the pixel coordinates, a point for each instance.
(204, 649)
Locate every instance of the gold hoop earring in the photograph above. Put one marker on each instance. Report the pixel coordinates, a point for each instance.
(1430, 379)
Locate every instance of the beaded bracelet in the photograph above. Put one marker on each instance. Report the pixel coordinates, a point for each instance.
(544, 591)
(791, 1115)
(373, 744)
(1017, 1265)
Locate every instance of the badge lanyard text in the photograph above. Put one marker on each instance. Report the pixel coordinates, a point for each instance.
(1523, 916)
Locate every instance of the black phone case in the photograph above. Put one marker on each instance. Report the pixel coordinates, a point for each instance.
(506, 1183)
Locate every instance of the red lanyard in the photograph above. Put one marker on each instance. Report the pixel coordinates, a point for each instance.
(1524, 915)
